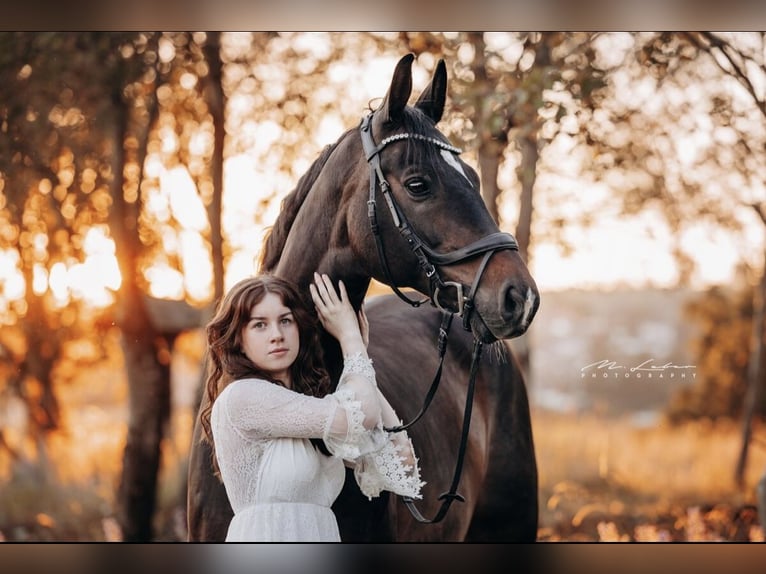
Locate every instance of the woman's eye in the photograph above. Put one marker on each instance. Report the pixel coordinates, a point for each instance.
(417, 186)
(259, 325)
(287, 321)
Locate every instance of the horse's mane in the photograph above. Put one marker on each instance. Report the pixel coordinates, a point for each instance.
(413, 121)
(291, 205)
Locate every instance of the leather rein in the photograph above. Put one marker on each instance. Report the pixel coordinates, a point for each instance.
(429, 260)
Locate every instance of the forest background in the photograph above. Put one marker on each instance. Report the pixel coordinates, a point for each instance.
(139, 173)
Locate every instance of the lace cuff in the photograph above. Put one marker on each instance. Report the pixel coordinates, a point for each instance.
(358, 440)
(357, 364)
(385, 470)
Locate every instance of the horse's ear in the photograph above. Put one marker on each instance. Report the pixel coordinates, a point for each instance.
(431, 101)
(400, 89)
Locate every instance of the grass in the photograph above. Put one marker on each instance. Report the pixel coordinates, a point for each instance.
(603, 479)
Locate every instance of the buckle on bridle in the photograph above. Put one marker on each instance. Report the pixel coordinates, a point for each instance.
(458, 296)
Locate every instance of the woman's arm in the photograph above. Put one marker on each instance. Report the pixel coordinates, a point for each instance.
(339, 319)
(390, 463)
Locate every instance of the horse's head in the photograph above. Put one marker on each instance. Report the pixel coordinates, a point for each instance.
(434, 232)
(431, 231)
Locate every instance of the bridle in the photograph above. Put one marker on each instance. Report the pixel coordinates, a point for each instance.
(429, 261)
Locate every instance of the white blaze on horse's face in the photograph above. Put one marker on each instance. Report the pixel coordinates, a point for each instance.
(528, 304)
(450, 159)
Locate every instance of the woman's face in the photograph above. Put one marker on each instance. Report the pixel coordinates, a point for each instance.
(271, 339)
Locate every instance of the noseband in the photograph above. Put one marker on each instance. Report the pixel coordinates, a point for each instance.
(428, 259)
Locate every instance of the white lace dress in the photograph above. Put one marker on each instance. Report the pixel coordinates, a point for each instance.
(281, 487)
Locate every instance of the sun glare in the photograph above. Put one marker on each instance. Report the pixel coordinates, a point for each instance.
(39, 279)
(198, 269)
(11, 280)
(100, 272)
(59, 284)
(164, 281)
(95, 279)
(244, 190)
(185, 203)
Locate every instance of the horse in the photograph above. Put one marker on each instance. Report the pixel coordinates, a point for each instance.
(436, 239)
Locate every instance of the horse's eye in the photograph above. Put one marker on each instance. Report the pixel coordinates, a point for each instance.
(418, 187)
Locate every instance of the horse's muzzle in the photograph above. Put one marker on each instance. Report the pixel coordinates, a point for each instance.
(507, 314)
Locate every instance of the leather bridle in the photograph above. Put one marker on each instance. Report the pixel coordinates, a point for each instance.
(429, 261)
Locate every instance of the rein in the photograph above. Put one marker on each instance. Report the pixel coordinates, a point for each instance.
(428, 259)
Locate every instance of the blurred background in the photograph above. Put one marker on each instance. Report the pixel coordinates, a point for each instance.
(140, 172)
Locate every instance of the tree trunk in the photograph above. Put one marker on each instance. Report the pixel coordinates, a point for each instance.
(32, 381)
(527, 174)
(490, 129)
(149, 402)
(43, 350)
(755, 378)
(146, 353)
(761, 490)
(216, 102)
(490, 155)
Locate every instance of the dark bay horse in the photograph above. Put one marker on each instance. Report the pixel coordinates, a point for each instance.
(325, 225)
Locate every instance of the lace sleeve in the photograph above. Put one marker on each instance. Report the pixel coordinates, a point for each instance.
(381, 465)
(385, 469)
(357, 364)
(356, 396)
(259, 409)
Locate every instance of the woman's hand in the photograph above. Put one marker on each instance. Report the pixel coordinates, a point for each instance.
(337, 315)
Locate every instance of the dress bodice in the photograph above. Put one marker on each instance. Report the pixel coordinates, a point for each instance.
(261, 433)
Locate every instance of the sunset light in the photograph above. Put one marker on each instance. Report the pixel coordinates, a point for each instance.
(95, 279)
(141, 174)
(11, 280)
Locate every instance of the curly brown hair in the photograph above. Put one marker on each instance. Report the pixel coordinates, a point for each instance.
(227, 362)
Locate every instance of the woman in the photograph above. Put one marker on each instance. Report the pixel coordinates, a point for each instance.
(280, 439)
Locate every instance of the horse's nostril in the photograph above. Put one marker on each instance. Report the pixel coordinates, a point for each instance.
(513, 299)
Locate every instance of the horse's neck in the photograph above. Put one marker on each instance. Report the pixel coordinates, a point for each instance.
(338, 269)
(311, 247)
(301, 259)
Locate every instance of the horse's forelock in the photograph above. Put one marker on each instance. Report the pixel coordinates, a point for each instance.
(416, 122)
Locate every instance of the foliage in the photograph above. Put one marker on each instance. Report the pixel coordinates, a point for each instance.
(513, 95)
(54, 194)
(676, 137)
(722, 348)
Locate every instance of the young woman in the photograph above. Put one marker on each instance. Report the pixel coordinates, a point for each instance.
(280, 437)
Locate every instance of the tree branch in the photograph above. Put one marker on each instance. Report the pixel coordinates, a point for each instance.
(713, 45)
(760, 210)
